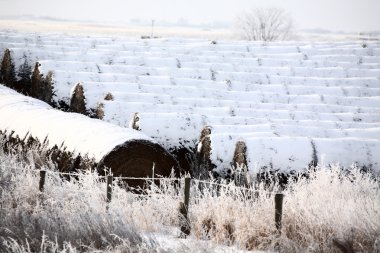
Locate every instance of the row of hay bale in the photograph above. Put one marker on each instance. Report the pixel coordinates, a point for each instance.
(213, 64)
(41, 87)
(287, 154)
(76, 142)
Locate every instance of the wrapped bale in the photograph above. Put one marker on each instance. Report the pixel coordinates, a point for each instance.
(125, 152)
(240, 155)
(204, 149)
(292, 153)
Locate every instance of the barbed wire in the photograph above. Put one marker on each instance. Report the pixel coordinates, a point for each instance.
(12, 167)
(234, 186)
(152, 179)
(74, 174)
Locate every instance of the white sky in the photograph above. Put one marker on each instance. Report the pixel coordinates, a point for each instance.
(335, 15)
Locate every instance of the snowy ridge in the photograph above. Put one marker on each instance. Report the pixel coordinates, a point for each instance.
(289, 102)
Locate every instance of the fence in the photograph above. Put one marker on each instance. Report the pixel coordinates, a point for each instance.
(184, 206)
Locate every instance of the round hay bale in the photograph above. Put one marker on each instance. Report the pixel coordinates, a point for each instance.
(204, 149)
(108, 97)
(139, 158)
(240, 155)
(126, 152)
(185, 158)
(134, 123)
(205, 132)
(99, 111)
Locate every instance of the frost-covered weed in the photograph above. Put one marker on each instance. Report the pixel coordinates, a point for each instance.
(69, 216)
(328, 205)
(333, 204)
(72, 215)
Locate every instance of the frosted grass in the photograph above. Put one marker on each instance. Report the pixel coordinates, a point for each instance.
(71, 214)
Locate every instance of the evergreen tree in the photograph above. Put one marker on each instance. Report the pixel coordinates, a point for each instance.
(24, 74)
(7, 71)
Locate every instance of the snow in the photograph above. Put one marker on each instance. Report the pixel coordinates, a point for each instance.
(80, 134)
(278, 97)
(172, 243)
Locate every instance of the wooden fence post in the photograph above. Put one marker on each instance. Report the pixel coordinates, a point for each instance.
(109, 188)
(201, 187)
(42, 180)
(184, 209)
(187, 193)
(278, 203)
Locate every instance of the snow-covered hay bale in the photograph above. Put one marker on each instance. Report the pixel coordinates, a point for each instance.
(287, 101)
(204, 148)
(142, 158)
(290, 153)
(125, 151)
(134, 124)
(240, 155)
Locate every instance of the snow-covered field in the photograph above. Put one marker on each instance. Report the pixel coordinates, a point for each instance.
(292, 103)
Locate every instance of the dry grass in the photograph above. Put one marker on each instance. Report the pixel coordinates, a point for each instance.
(71, 215)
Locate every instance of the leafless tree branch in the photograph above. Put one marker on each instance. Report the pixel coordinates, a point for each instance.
(264, 24)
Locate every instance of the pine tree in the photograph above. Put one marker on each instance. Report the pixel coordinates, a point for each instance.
(7, 71)
(24, 74)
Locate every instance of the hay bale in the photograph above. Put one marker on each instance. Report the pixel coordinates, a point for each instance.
(99, 111)
(125, 151)
(240, 155)
(77, 101)
(108, 97)
(239, 165)
(186, 160)
(139, 158)
(204, 149)
(134, 123)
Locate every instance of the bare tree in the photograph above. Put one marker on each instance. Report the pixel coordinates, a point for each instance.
(264, 24)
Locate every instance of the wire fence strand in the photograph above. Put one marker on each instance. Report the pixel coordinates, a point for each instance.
(152, 179)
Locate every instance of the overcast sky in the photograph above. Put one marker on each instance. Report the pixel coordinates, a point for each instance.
(335, 15)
